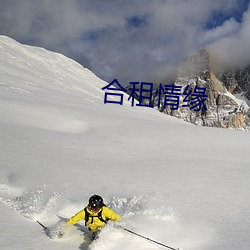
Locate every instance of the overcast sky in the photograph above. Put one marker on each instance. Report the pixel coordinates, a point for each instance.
(131, 40)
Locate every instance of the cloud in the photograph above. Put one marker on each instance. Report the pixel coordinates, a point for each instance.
(233, 49)
(228, 28)
(133, 40)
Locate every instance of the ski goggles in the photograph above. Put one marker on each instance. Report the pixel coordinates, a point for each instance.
(94, 208)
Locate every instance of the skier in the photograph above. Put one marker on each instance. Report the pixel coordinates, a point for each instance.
(95, 214)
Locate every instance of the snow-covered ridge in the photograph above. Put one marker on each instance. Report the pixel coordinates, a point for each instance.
(33, 74)
(27, 69)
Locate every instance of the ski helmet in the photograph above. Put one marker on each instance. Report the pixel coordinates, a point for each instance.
(95, 202)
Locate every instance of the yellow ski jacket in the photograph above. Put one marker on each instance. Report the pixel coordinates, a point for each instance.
(94, 223)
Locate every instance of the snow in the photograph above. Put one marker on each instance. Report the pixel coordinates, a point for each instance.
(182, 185)
(242, 99)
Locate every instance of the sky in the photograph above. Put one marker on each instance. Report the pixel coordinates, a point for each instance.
(132, 40)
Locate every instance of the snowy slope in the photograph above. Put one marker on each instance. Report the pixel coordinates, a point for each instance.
(179, 184)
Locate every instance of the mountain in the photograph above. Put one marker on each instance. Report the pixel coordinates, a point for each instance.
(182, 185)
(225, 101)
(223, 108)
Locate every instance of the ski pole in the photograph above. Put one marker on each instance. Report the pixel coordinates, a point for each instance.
(146, 238)
(45, 228)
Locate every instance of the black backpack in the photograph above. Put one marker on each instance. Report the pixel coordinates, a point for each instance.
(88, 216)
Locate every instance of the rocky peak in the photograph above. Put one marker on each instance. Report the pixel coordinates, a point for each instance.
(197, 64)
(237, 81)
(223, 108)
